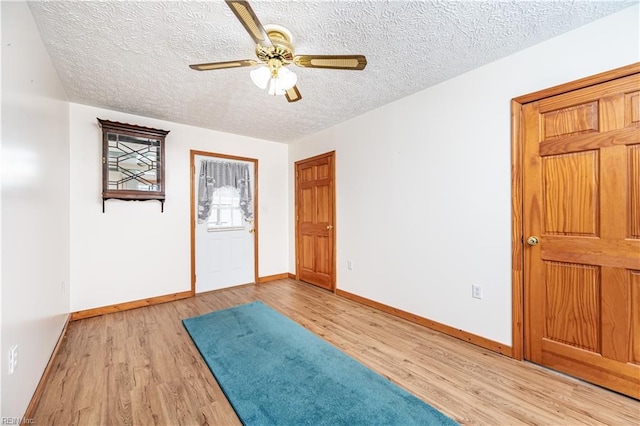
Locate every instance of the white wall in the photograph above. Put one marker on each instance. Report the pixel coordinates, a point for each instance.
(442, 156)
(133, 251)
(35, 206)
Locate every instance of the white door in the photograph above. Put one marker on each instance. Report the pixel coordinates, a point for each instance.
(224, 245)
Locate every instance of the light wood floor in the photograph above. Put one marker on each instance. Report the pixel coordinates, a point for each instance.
(140, 367)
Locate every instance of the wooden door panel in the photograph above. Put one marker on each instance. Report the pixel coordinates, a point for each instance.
(315, 221)
(581, 195)
(632, 109)
(572, 304)
(323, 261)
(322, 196)
(315, 263)
(307, 201)
(575, 120)
(635, 317)
(307, 174)
(634, 192)
(570, 191)
(613, 195)
(307, 255)
(616, 314)
(322, 171)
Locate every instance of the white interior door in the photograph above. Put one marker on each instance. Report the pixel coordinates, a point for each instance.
(224, 256)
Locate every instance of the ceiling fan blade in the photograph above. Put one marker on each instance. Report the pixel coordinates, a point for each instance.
(336, 62)
(222, 65)
(293, 94)
(243, 11)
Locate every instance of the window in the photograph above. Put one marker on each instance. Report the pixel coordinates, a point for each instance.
(225, 210)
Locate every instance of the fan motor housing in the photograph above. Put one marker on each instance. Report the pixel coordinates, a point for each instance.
(280, 49)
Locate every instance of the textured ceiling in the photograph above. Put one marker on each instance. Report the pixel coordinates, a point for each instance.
(134, 56)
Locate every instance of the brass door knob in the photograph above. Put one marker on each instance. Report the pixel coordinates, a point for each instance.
(251, 231)
(329, 227)
(533, 241)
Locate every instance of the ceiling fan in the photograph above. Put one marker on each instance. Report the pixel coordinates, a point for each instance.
(275, 52)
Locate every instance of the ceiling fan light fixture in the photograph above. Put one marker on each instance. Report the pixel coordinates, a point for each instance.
(261, 76)
(277, 80)
(274, 88)
(282, 81)
(287, 79)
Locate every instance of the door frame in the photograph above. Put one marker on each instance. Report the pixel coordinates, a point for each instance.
(192, 226)
(333, 215)
(518, 319)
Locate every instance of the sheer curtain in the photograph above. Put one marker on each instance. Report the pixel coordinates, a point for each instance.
(216, 174)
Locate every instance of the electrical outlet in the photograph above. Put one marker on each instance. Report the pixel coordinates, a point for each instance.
(13, 358)
(349, 265)
(476, 291)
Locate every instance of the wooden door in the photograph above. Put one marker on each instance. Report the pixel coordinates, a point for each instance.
(315, 221)
(581, 196)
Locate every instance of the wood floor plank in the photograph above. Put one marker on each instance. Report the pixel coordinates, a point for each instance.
(140, 367)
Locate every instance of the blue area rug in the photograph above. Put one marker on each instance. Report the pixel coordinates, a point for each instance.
(275, 372)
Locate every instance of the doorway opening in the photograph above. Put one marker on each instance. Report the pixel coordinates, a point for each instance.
(224, 218)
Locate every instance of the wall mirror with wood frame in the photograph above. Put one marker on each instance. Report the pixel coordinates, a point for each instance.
(132, 162)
